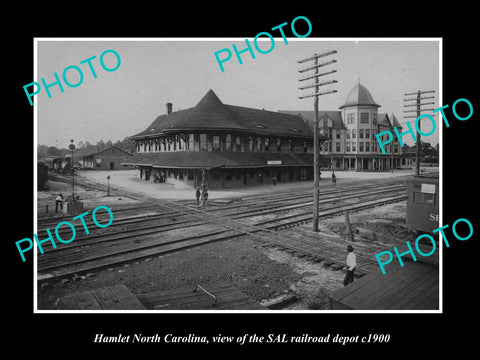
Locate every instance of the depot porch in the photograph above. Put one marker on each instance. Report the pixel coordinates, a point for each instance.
(365, 163)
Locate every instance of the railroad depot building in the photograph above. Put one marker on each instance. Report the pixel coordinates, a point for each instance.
(352, 130)
(224, 146)
(107, 158)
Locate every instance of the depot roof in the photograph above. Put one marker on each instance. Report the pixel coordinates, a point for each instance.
(308, 116)
(217, 159)
(211, 114)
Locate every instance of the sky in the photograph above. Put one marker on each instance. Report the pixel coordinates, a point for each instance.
(124, 102)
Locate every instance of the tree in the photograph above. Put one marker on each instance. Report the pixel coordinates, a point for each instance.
(100, 144)
(53, 151)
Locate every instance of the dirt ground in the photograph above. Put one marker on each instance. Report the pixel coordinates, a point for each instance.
(263, 273)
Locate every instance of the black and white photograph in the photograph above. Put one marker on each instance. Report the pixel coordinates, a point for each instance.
(284, 183)
(211, 188)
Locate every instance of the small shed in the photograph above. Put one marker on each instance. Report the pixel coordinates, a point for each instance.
(108, 158)
(412, 287)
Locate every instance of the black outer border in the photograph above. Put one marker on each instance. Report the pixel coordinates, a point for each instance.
(410, 333)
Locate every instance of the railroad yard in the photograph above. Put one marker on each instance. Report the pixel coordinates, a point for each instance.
(259, 242)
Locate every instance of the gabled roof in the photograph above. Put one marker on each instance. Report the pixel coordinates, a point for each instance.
(396, 123)
(307, 115)
(99, 151)
(211, 114)
(383, 119)
(359, 95)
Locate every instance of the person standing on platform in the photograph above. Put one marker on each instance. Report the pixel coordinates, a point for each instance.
(351, 265)
(197, 195)
(334, 177)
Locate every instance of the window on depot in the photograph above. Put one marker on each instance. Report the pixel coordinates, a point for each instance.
(290, 145)
(250, 144)
(216, 142)
(228, 142)
(203, 141)
(191, 142)
(267, 144)
(238, 144)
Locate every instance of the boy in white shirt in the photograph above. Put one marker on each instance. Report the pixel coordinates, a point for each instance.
(351, 265)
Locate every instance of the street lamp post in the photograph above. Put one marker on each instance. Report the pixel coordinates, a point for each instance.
(74, 206)
(108, 185)
(72, 147)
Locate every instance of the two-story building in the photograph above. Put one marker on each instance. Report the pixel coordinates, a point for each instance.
(351, 131)
(224, 146)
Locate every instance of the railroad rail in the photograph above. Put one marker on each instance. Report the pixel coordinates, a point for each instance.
(112, 248)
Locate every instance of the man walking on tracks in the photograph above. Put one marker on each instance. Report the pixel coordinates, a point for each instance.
(351, 265)
(58, 202)
(204, 196)
(197, 195)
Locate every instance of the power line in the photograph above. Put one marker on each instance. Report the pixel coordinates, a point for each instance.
(316, 93)
(418, 104)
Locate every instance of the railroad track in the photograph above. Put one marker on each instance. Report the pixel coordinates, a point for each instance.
(184, 217)
(270, 206)
(106, 250)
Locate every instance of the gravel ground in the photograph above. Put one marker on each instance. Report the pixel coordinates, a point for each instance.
(240, 262)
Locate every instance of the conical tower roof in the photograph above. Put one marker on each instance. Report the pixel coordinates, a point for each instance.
(359, 95)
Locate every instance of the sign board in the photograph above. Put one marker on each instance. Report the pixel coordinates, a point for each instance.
(428, 188)
(274, 162)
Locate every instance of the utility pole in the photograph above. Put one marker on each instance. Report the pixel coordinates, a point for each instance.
(316, 94)
(418, 104)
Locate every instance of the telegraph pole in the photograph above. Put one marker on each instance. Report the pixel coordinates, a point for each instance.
(316, 94)
(418, 104)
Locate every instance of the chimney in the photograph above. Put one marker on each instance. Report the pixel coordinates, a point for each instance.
(169, 108)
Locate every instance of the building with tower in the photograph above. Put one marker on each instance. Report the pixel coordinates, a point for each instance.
(351, 131)
(225, 146)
